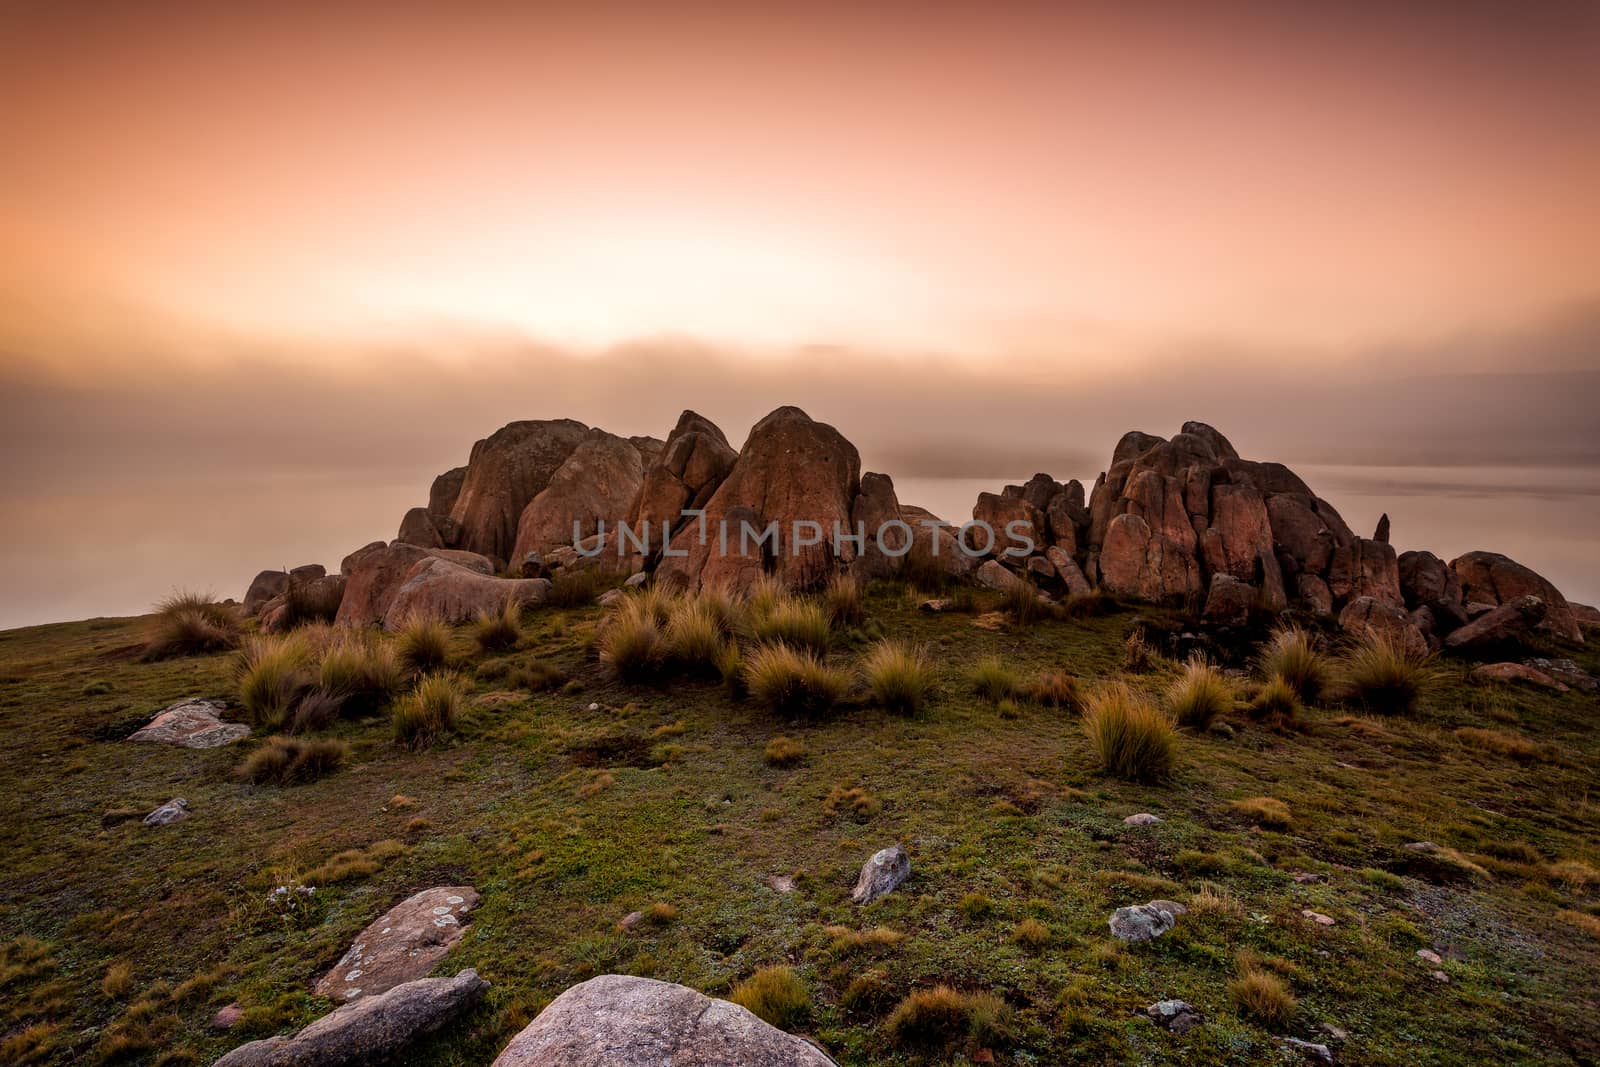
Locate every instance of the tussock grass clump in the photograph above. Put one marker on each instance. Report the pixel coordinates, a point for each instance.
(696, 633)
(423, 644)
(1581, 920)
(846, 940)
(191, 624)
(498, 631)
(993, 680)
(1269, 813)
(661, 913)
(117, 980)
(1199, 695)
(794, 621)
(775, 995)
(631, 642)
(1575, 875)
(1091, 605)
(1055, 689)
(1380, 677)
(898, 676)
(1263, 997)
(1131, 737)
(354, 863)
(1291, 654)
(578, 588)
(1502, 743)
(844, 600)
(361, 673)
(536, 676)
(783, 752)
(857, 803)
(1020, 601)
(976, 906)
(274, 673)
(429, 712)
(291, 761)
(1275, 702)
(937, 1018)
(790, 681)
(1031, 934)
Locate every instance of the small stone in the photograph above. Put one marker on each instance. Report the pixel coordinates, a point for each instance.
(1144, 818)
(1427, 955)
(630, 920)
(937, 606)
(881, 874)
(1306, 878)
(1178, 1016)
(174, 810)
(226, 1017)
(783, 883)
(1317, 917)
(1440, 977)
(610, 597)
(1143, 922)
(594, 707)
(1335, 1033)
(1319, 1053)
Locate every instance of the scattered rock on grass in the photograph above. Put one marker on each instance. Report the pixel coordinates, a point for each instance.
(1440, 977)
(174, 810)
(630, 920)
(938, 605)
(1317, 917)
(1564, 670)
(1515, 672)
(1427, 955)
(1144, 818)
(226, 1017)
(881, 874)
(1306, 878)
(1179, 1016)
(782, 883)
(191, 723)
(1143, 922)
(403, 945)
(370, 1030)
(618, 1020)
(1315, 1053)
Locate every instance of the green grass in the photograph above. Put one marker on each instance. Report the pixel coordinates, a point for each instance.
(551, 804)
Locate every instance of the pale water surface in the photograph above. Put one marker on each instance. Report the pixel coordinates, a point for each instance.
(76, 554)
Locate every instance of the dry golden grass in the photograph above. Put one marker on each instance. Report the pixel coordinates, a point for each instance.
(1263, 997)
(1199, 695)
(117, 980)
(1502, 743)
(1132, 738)
(1269, 813)
(783, 752)
(776, 995)
(857, 803)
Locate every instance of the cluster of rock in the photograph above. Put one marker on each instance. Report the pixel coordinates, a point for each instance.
(1179, 520)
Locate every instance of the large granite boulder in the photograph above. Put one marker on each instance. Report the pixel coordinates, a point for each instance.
(445, 491)
(1491, 578)
(506, 471)
(792, 470)
(437, 588)
(1013, 524)
(683, 476)
(192, 723)
(417, 528)
(402, 945)
(598, 483)
(877, 511)
(1367, 614)
(265, 587)
(376, 573)
(370, 1030)
(618, 1020)
(1509, 626)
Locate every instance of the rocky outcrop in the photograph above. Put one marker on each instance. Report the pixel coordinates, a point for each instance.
(445, 491)
(598, 483)
(795, 481)
(192, 723)
(369, 1030)
(618, 1020)
(1230, 600)
(882, 874)
(417, 528)
(376, 573)
(1490, 578)
(437, 588)
(402, 945)
(1369, 615)
(877, 511)
(1508, 626)
(1008, 524)
(506, 471)
(683, 477)
(265, 587)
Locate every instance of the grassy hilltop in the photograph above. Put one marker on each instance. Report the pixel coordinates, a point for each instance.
(570, 798)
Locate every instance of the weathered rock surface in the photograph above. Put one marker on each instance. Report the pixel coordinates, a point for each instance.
(506, 471)
(792, 469)
(992, 574)
(1142, 922)
(437, 588)
(376, 573)
(882, 874)
(263, 588)
(404, 944)
(174, 810)
(1012, 523)
(1366, 614)
(1491, 578)
(1178, 1016)
(1565, 671)
(1509, 625)
(445, 491)
(1515, 672)
(620, 1021)
(1143, 818)
(599, 482)
(192, 723)
(1230, 601)
(417, 528)
(683, 476)
(1067, 570)
(877, 511)
(371, 1030)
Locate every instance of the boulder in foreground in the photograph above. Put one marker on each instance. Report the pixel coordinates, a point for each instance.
(369, 1030)
(620, 1021)
(402, 945)
(882, 874)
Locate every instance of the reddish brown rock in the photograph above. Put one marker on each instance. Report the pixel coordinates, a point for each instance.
(437, 588)
(877, 511)
(1068, 571)
(1508, 626)
(445, 491)
(1013, 524)
(1515, 672)
(1491, 578)
(506, 471)
(1365, 568)
(598, 483)
(1313, 594)
(404, 944)
(263, 588)
(1230, 600)
(1140, 563)
(689, 469)
(417, 528)
(1367, 614)
(1240, 534)
(377, 572)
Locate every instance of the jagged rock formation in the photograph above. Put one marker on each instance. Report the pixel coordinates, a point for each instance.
(598, 482)
(506, 471)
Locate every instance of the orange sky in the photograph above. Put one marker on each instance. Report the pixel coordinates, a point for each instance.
(1076, 189)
